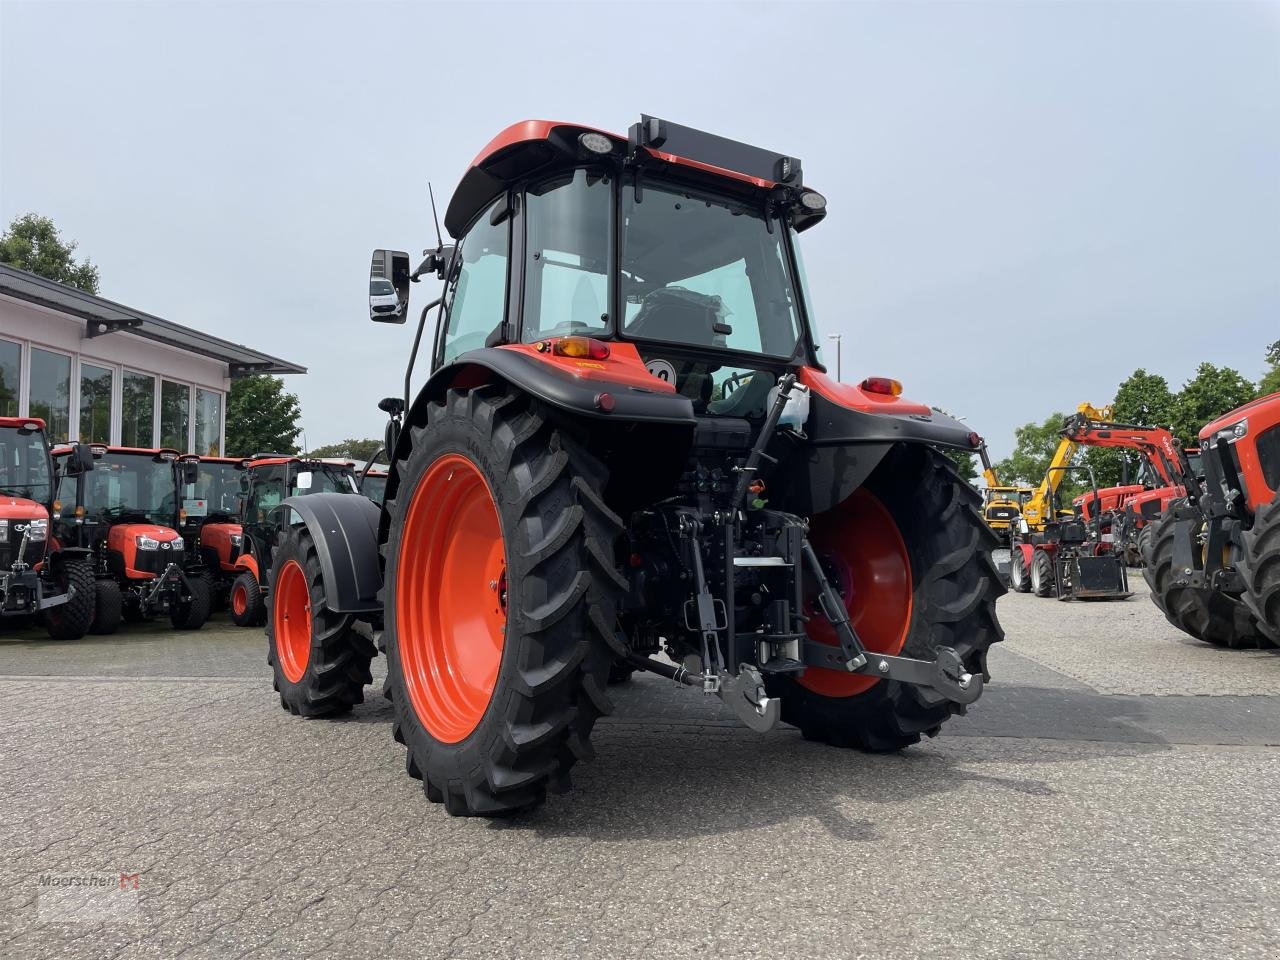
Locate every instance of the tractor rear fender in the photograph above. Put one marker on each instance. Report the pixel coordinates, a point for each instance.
(644, 406)
(1028, 554)
(345, 530)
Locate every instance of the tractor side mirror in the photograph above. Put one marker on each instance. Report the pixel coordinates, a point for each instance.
(191, 472)
(81, 459)
(389, 286)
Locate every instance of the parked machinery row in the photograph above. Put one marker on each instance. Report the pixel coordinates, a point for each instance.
(94, 535)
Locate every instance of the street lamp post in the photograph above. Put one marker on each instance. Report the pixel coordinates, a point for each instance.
(836, 338)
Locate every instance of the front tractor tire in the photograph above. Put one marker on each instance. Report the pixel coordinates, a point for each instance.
(500, 591)
(911, 554)
(1260, 567)
(1208, 615)
(191, 611)
(319, 661)
(248, 606)
(1019, 575)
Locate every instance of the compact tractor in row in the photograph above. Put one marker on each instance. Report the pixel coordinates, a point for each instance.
(40, 575)
(628, 456)
(1213, 559)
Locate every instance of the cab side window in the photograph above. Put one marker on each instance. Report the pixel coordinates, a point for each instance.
(479, 298)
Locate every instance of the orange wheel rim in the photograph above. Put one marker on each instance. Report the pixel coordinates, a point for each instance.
(866, 560)
(239, 600)
(451, 590)
(292, 616)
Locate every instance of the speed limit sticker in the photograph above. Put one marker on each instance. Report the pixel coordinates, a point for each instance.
(661, 369)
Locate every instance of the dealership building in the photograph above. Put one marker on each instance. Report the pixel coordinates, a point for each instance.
(102, 372)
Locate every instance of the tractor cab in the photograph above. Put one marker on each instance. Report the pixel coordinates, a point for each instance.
(210, 489)
(264, 481)
(130, 518)
(36, 574)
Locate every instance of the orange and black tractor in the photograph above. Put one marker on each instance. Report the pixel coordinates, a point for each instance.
(210, 524)
(626, 447)
(39, 575)
(1214, 558)
(264, 481)
(128, 518)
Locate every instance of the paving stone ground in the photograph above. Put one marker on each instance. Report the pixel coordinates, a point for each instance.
(1108, 797)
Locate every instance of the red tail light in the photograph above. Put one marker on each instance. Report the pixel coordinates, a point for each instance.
(585, 348)
(883, 385)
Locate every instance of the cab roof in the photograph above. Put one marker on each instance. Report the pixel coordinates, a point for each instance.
(17, 423)
(531, 147)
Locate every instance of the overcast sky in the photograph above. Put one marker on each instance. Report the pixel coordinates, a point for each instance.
(1027, 201)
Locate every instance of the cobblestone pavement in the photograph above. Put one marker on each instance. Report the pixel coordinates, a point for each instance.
(1074, 813)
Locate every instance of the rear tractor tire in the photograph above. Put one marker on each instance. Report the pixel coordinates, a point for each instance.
(1043, 582)
(72, 620)
(911, 554)
(1260, 566)
(1205, 614)
(500, 593)
(248, 608)
(320, 662)
(1144, 543)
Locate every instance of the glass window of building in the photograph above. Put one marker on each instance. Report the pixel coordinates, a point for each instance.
(95, 403)
(50, 392)
(138, 410)
(175, 414)
(10, 372)
(208, 423)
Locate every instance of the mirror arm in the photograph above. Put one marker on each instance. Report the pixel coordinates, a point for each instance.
(417, 339)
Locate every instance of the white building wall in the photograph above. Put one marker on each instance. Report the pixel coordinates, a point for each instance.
(31, 325)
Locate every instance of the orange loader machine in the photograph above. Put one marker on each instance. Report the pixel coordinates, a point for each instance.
(1213, 561)
(628, 457)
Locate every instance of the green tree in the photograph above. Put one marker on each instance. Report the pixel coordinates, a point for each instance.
(1270, 382)
(1034, 446)
(357, 450)
(261, 417)
(1208, 395)
(32, 243)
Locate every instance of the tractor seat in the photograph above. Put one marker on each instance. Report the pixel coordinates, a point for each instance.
(678, 315)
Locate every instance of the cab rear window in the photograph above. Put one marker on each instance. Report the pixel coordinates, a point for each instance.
(1269, 456)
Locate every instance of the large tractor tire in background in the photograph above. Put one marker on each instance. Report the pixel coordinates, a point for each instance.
(1144, 543)
(1043, 581)
(1260, 566)
(1019, 575)
(1205, 614)
(320, 662)
(500, 593)
(911, 555)
(72, 620)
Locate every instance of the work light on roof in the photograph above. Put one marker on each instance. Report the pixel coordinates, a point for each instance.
(813, 200)
(596, 143)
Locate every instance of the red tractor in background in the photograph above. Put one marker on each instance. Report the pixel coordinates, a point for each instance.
(264, 481)
(210, 519)
(129, 523)
(1214, 558)
(39, 575)
(628, 446)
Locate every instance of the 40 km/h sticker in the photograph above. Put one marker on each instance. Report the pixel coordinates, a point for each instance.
(663, 370)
